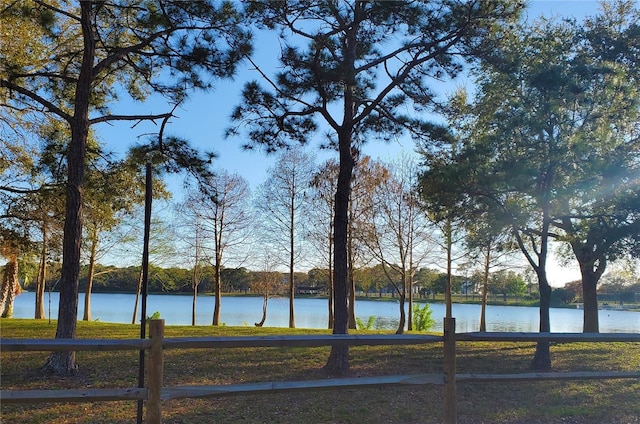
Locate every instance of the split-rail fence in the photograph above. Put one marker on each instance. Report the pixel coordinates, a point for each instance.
(155, 392)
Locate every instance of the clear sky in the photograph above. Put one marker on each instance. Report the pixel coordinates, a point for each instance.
(203, 118)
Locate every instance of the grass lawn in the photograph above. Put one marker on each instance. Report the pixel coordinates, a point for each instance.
(578, 401)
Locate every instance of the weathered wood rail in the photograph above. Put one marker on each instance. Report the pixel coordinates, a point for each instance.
(155, 392)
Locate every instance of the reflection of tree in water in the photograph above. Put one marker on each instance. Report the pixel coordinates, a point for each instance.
(379, 323)
(383, 323)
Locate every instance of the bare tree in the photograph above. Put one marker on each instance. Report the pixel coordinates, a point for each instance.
(320, 231)
(189, 227)
(399, 233)
(162, 247)
(367, 176)
(195, 273)
(282, 203)
(267, 283)
(221, 211)
(492, 248)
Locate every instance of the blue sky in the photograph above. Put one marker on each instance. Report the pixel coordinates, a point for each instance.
(203, 118)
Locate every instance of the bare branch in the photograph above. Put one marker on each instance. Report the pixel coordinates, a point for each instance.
(107, 118)
(35, 97)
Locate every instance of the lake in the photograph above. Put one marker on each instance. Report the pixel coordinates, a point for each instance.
(312, 313)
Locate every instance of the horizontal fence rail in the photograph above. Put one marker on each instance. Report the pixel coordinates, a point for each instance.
(579, 375)
(21, 345)
(49, 345)
(73, 395)
(182, 392)
(74, 345)
(547, 337)
(299, 341)
(156, 344)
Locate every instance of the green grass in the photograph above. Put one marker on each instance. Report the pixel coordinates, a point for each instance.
(582, 401)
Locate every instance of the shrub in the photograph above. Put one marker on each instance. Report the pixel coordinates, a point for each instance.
(422, 320)
(368, 326)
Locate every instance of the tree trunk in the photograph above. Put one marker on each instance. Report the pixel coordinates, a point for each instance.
(195, 281)
(65, 362)
(265, 299)
(10, 287)
(485, 289)
(41, 281)
(410, 308)
(447, 292)
(592, 266)
(352, 295)
(92, 262)
(218, 292)
(411, 234)
(350, 267)
(590, 323)
(292, 285)
(331, 279)
(193, 304)
(542, 357)
(135, 307)
(338, 362)
(403, 315)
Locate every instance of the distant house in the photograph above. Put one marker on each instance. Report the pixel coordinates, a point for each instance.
(313, 290)
(467, 287)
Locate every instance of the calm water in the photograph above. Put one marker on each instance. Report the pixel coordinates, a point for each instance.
(312, 313)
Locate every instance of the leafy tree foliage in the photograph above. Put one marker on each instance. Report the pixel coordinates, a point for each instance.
(96, 51)
(317, 277)
(550, 144)
(426, 279)
(31, 188)
(569, 293)
(354, 69)
(104, 211)
(507, 283)
(601, 221)
(236, 279)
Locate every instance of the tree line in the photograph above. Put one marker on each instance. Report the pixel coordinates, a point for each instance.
(369, 281)
(429, 284)
(544, 149)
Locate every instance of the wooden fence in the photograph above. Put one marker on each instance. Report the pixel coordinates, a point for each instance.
(155, 392)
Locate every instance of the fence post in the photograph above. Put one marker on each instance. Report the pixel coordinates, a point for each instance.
(449, 371)
(155, 377)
